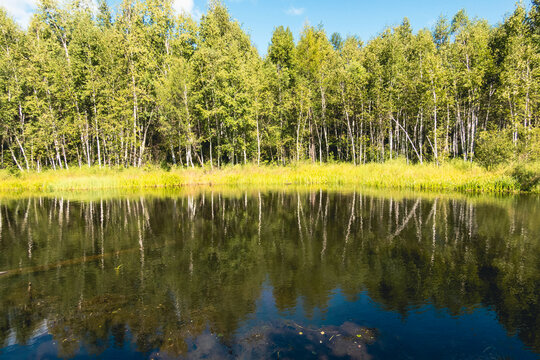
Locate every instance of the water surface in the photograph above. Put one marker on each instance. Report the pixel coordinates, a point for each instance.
(266, 274)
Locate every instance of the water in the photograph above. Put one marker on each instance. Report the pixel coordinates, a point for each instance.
(306, 274)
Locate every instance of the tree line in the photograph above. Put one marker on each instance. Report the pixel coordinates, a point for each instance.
(141, 84)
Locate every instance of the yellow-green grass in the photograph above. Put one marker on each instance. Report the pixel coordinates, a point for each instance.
(455, 176)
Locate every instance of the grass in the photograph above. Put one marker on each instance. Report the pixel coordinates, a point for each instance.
(449, 177)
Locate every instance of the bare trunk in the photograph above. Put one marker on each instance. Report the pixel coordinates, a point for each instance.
(15, 159)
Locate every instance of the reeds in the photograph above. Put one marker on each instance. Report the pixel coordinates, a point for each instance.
(452, 176)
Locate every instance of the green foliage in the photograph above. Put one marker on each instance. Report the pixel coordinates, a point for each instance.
(527, 176)
(143, 84)
(529, 146)
(493, 148)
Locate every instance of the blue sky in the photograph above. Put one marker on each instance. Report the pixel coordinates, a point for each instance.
(361, 17)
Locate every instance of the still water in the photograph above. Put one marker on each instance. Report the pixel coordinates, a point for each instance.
(263, 274)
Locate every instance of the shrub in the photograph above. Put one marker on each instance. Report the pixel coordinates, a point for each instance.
(529, 149)
(528, 176)
(493, 148)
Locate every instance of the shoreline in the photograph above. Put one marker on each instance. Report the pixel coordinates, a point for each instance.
(453, 177)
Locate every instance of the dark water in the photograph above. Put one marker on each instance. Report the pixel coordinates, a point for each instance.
(270, 275)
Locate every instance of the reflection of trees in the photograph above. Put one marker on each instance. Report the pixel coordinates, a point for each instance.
(166, 269)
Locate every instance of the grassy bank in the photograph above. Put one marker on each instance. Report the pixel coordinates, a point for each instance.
(455, 176)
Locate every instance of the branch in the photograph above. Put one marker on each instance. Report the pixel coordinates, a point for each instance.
(408, 137)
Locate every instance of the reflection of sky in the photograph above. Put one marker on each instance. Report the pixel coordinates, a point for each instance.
(430, 333)
(360, 17)
(281, 271)
(425, 333)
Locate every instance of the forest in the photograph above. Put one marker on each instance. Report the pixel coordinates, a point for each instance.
(140, 84)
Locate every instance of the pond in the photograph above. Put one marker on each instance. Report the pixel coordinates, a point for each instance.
(270, 274)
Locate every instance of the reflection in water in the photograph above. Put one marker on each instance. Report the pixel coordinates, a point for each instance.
(180, 275)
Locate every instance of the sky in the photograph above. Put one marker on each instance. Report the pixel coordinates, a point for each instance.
(365, 18)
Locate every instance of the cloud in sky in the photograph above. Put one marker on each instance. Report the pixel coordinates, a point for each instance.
(20, 10)
(295, 11)
(183, 6)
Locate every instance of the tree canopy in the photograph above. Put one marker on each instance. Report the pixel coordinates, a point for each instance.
(143, 84)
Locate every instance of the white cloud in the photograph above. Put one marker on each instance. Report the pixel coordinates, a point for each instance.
(185, 6)
(20, 10)
(294, 11)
